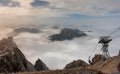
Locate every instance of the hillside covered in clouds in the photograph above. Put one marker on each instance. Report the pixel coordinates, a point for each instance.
(67, 34)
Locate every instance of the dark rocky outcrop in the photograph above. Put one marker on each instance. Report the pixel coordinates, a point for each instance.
(80, 67)
(39, 65)
(13, 60)
(56, 27)
(67, 34)
(76, 64)
(109, 66)
(118, 66)
(97, 58)
(119, 53)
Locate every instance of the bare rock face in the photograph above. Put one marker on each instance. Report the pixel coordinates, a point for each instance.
(39, 65)
(119, 53)
(76, 64)
(12, 59)
(99, 63)
(97, 58)
(109, 66)
(79, 67)
(80, 71)
(118, 66)
(67, 34)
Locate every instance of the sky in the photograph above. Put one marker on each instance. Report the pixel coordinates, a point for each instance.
(39, 11)
(99, 16)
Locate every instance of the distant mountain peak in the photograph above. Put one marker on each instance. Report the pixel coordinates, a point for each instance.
(7, 46)
(13, 60)
(39, 65)
(67, 34)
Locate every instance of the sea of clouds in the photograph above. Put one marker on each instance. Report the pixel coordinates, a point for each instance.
(59, 53)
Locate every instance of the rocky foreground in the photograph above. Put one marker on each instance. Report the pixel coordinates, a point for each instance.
(67, 71)
(110, 65)
(13, 60)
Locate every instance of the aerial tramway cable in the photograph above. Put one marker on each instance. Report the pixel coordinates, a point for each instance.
(116, 37)
(107, 35)
(93, 50)
(113, 31)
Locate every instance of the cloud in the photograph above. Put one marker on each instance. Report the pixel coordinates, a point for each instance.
(9, 3)
(17, 31)
(57, 54)
(4, 31)
(60, 8)
(37, 3)
(54, 11)
(85, 7)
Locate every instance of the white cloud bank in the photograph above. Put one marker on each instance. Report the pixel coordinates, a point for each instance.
(62, 7)
(59, 53)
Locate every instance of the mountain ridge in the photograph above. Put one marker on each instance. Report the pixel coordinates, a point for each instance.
(12, 59)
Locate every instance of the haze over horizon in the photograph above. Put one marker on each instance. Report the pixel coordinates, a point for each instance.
(101, 17)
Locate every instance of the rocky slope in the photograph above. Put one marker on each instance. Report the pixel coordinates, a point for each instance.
(66, 71)
(39, 65)
(67, 34)
(110, 65)
(98, 63)
(76, 63)
(97, 58)
(12, 59)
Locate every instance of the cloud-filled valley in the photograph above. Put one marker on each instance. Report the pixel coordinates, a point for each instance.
(58, 53)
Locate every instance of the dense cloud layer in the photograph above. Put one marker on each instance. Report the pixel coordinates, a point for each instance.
(57, 54)
(9, 3)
